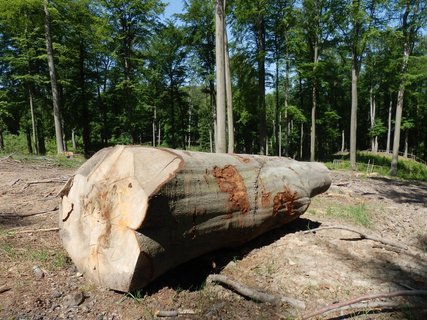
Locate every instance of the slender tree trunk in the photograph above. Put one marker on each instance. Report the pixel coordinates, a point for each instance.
(229, 95)
(33, 121)
(220, 142)
(372, 110)
(301, 141)
(1, 140)
(314, 105)
(389, 125)
(353, 120)
(29, 144)
(154, 125)
(189, 127)
(53, 80)
(172, 111)
(399, 106)
(260, 36)
(342, 141)
(83, 98)
(286, 94)
(73, 139)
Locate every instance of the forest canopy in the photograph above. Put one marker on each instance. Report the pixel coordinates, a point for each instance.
(301, 72)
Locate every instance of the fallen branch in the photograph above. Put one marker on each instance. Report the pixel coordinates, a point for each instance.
(362, 235)
(46, 181)
(36, 230)
(348, 303)
(173, 313)
(255, 294)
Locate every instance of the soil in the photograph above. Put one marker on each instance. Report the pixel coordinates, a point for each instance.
(38, 280)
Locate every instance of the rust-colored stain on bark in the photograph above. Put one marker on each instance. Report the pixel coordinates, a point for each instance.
(265, 198)
(230, 181)
(285, 200)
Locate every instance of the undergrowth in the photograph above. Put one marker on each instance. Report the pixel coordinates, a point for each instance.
(380, 163)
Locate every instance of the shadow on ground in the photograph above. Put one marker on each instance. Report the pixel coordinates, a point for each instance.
(403, 191)
(192, 275)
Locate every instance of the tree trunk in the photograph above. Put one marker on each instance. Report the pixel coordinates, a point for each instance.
(372, 107)
(73, 139)
(220, 142)
(342, 141)
(389, 126)
(353, 120)
(399, 106)
(229, 95)
(85, 117)
(33, 121)
(262, 121)
(53, 81)
(154, 125)
(301, 140)
(314, 106)
(1, 140)
(131, 213)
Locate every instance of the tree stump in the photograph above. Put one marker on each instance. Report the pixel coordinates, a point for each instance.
(131, 213)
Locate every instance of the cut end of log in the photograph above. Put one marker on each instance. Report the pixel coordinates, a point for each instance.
(131, 213)
(100, 214)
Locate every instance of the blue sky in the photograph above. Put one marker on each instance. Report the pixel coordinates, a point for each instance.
(174, 6)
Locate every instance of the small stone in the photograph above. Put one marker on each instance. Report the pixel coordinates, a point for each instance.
(72, 269)
(73, 299)
(56, 294)
(38, 273)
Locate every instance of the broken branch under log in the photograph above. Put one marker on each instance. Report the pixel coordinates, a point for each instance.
(353, 301)
(254, 294)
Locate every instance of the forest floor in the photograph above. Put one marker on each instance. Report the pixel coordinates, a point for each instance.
(38, 281)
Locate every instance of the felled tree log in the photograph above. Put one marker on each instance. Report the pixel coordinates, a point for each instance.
(131, 213)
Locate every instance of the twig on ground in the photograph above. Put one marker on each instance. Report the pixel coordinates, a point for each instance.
(4, 289)
(36, 230)
(11, 216)
(7, 157)
(362, 235)
(349, 304)
(14, 182)
(46, 181)
(255, 294)
(173, 313)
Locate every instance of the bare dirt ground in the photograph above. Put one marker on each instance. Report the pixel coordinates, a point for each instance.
(38, 281)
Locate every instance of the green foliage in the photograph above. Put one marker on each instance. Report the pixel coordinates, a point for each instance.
(408, 169)
(124, 69)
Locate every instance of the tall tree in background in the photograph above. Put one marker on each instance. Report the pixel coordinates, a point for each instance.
(318, 21)
(133, 23)
(220, 141)
(53, 81)
(199, 19)
(414, 14)
(250, 31)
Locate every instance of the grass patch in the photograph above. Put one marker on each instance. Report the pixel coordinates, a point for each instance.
(357, 214)
(407, 169)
